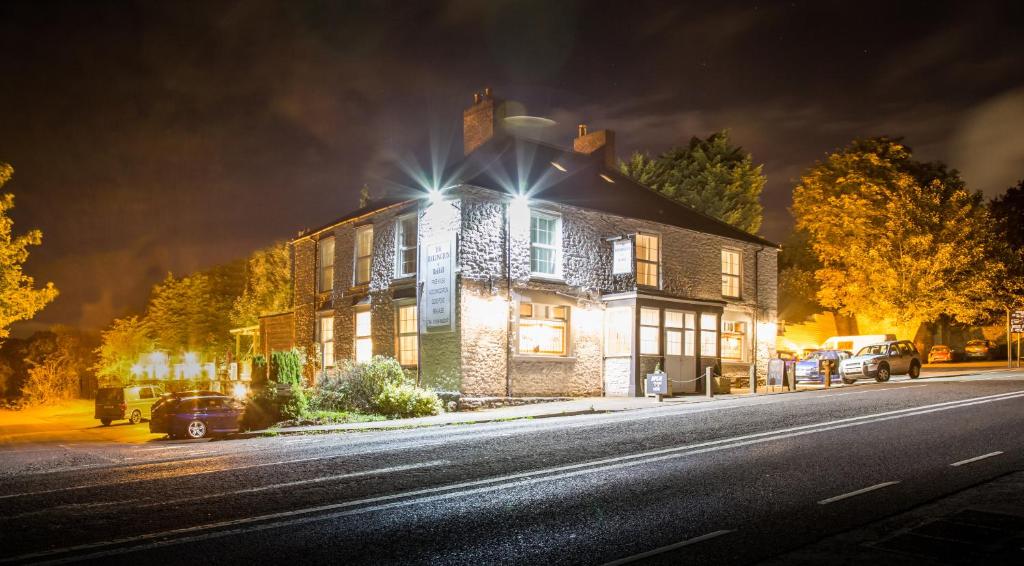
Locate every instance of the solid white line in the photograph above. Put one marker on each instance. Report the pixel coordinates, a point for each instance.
(975, 459)
(300, 482)
(664, 549)
(522, 479)
(856, 493)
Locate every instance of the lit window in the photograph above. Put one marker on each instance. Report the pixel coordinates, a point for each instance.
(730, 273)
(650, 331)
(673, 333)
(708, 336)
(326, 339)
(733, 333)
(406, 246)
(408, 338)
(325, 264)
(690, 339)
(545, 244)
(648, 254)
(364, 253)
(544, 331)
(364, 344)
(618, 331)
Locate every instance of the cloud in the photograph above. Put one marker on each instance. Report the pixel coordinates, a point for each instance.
(988, 148)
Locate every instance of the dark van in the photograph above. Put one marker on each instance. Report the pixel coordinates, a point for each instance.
(120, 403)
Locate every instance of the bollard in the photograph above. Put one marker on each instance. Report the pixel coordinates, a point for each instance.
(710, 380)
(828, 373)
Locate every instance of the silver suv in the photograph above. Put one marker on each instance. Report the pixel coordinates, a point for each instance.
(881, 360)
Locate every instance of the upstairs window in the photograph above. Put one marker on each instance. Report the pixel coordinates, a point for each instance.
(408, 338)
(364, 254)
(543, 329)
(325, 336)
(648, 258)
(545, 244)
(364, 342)
(406, 246)
(730, 273)
(325, 264)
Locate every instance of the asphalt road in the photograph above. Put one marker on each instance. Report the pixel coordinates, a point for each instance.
(729, 482)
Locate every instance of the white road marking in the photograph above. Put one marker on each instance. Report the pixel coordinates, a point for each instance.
(856, 493)
(668, 548)
(974, 459)
(171, 447)
(404, 499)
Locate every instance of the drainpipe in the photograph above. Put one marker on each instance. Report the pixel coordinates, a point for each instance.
(508, 291)
(753, 331)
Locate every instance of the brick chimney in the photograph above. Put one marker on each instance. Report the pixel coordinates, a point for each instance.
(482, 120)
(601, 140)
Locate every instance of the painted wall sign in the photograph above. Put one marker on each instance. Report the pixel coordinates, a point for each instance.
(439, 285)
(622, 256)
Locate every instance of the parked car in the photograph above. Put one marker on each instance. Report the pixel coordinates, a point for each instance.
(941, 353)
(811, 369)
(980, 350)
(882, 360)
(119, 403)
(195, 414)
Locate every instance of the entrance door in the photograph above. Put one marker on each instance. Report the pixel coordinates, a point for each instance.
(680, 363)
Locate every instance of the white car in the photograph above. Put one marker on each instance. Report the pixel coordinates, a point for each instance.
(882, 360)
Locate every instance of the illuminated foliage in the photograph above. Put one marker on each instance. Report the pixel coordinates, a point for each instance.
(1008, 217)
(121, 346)
(710, 175)
(57, 362)
(896, 238)
(19, 299)
(268, 285)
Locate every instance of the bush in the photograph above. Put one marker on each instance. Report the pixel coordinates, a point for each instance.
(292, 404)
(405, 400)
(261, 411)
(286, 367)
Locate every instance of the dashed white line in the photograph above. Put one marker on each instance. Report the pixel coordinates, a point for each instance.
(974, 459)
(856, 493)
(668, 548)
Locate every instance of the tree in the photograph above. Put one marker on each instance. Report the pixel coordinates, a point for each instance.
(709, 175)
(897, 239)
(120, 348)
(58, 361)
(268, 285)
(192, 314)
(798, 288)
(1008, 219)
(19, 299)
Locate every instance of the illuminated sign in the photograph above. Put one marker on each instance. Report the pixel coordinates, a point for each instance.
(622, 256)
(1017, 321)
(439, 285)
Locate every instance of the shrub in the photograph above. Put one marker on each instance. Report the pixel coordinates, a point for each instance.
(361, 384)
(404, 400)
(292, 404)
(286, 367)
(261, 411)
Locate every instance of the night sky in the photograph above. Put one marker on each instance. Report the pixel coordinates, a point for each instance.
(152, 137)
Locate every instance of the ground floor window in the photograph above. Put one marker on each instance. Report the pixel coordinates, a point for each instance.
(618, 331)
(325, 337)
(650, 331)
(543, 329)
(364, 343)
(708, 335)
(733, 338)
(408, 338)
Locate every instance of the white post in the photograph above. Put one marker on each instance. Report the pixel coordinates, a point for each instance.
(709, 377)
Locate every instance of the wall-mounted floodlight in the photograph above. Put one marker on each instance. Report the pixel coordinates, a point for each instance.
(557, 166)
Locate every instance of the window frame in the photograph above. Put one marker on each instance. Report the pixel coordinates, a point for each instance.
(401, 248)
(623, 331)
(329, 360)
(732, 332)
(738, 276)
(320, 266)
(415, 333)
(657, 330)
(357, 337)
(555, 247)
(712, 329)
(540, 313)
(637, 261)
(357, 258)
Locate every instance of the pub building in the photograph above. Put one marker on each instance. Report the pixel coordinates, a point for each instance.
(536, 271)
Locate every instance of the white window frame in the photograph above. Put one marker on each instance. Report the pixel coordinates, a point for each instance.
(401, 307)
(323, 340)
(709, 330)
(368, 256)
(361, 337)
(656, 263)
(544, 313)
(556, 247)
(645, 342)
(321, 266)
(736, 329)
(401, 248)
(737, 277)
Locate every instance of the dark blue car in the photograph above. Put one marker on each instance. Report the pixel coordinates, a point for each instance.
(811, 369)
(195, 414)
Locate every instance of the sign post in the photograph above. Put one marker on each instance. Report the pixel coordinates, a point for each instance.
(1014, 325)
(657, 384)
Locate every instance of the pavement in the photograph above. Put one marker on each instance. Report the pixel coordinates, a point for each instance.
(734, 481)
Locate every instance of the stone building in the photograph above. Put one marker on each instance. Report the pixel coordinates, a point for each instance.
(536, 271)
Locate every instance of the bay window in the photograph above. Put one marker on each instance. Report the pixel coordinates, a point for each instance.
(407, 333)
(364, 254)
(543, 329)
(730, 273)
(325, 264)
(406, 246)
(648, 258)
(545, 244)
(364, 342)
(650, 331)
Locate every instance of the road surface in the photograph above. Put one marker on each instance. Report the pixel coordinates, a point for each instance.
(728, 482)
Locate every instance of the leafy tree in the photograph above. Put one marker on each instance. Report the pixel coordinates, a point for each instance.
(710, 175)
(58, 364)
(798, 288)
(121, 346)
(897, 239)
(1008, 217)
(19, 299)
(268, 285)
